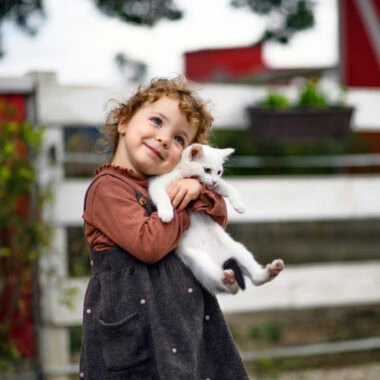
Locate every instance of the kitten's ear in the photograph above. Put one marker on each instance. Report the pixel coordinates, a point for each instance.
(196, 151)
(226, 152)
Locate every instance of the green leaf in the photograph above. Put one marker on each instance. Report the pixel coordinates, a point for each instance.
(5, 173)
(5, 252)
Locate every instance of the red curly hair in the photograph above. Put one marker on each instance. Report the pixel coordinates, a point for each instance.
(190, 104)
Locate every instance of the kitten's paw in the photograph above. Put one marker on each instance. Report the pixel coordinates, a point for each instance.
(166, 214)
(238, 206)
(234, 288)
(275, 267)
(229, 281)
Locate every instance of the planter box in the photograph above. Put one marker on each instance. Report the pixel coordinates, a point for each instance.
(299, 124)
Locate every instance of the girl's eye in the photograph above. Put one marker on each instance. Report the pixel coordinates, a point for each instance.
(207, 170)
(180, 140)
(157, 121)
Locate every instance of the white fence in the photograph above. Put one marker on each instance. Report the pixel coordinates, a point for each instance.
(267, 199)
(270, 199)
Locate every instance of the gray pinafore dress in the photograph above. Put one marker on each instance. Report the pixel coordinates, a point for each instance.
(152, 322)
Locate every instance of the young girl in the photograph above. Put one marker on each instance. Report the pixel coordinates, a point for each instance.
(145, 315)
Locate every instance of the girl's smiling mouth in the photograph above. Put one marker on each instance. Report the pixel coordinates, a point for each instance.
(155, 151)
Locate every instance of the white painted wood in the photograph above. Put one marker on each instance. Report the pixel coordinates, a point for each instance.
(298, 286)
(62, 313)
(307, 198)
(268, 199)
(69, 202)
(367, 110)
(55, 350)
(59, 105)
(16, 85)
(324, 348)
(318, 285)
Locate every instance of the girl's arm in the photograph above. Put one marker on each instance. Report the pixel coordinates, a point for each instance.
(183, 191)
(112, 209)
(213, 204)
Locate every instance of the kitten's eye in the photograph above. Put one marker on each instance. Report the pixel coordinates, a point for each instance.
(180, 139)
(219, 172)
(157, 121)
(207, 170)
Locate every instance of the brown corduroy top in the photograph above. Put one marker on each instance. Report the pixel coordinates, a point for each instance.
(113, 216)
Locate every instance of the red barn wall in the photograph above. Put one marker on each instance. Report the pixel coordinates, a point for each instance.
(360, 65)
(229, 63)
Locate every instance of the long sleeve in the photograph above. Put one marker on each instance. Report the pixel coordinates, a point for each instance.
(112, 210)
(213, 204)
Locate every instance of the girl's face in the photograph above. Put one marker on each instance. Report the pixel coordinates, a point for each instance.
(152, 141)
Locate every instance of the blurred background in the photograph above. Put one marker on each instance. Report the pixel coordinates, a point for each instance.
(294, 86)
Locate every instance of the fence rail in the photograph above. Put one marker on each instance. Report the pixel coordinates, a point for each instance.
(342, 161)
(324, 348)
(348, 160)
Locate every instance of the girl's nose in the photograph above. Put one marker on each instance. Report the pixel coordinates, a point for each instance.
(163, 139)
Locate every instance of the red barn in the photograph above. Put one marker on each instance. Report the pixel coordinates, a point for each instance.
(224, 64)
(359, 24)
(360, 42)
(241, 64)
(360, 51)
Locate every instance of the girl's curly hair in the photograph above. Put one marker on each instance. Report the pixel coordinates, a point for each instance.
(190, 104)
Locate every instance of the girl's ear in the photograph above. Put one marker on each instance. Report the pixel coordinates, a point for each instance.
(196, 151)
(122, 127)
(226, 152)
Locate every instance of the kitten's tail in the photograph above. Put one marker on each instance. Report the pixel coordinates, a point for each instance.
(234, 265)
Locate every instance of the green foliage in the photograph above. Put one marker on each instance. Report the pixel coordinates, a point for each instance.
(272, 368)
(235, 332)
(254, 332)
(300, 17)
(270, 332)
(245, 146)
(140, 12)
(75, 333)
(290, 17)
(267, 365)
(17, 174)
(275, 100)
(68, 297)
(21, 12)
(311, 96)
(23, 233)
(78, 253)
(9, 354)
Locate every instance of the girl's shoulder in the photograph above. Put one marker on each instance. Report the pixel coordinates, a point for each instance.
(111, 173)
(113, 181)
(112, 185)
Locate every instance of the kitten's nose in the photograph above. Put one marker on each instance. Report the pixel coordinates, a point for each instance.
(213, 183)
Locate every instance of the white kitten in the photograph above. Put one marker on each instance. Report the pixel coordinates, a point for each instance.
(206, 248)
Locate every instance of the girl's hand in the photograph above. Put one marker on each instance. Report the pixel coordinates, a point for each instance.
(183, 191)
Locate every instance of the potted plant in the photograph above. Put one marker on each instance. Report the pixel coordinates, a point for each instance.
(319, 111)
